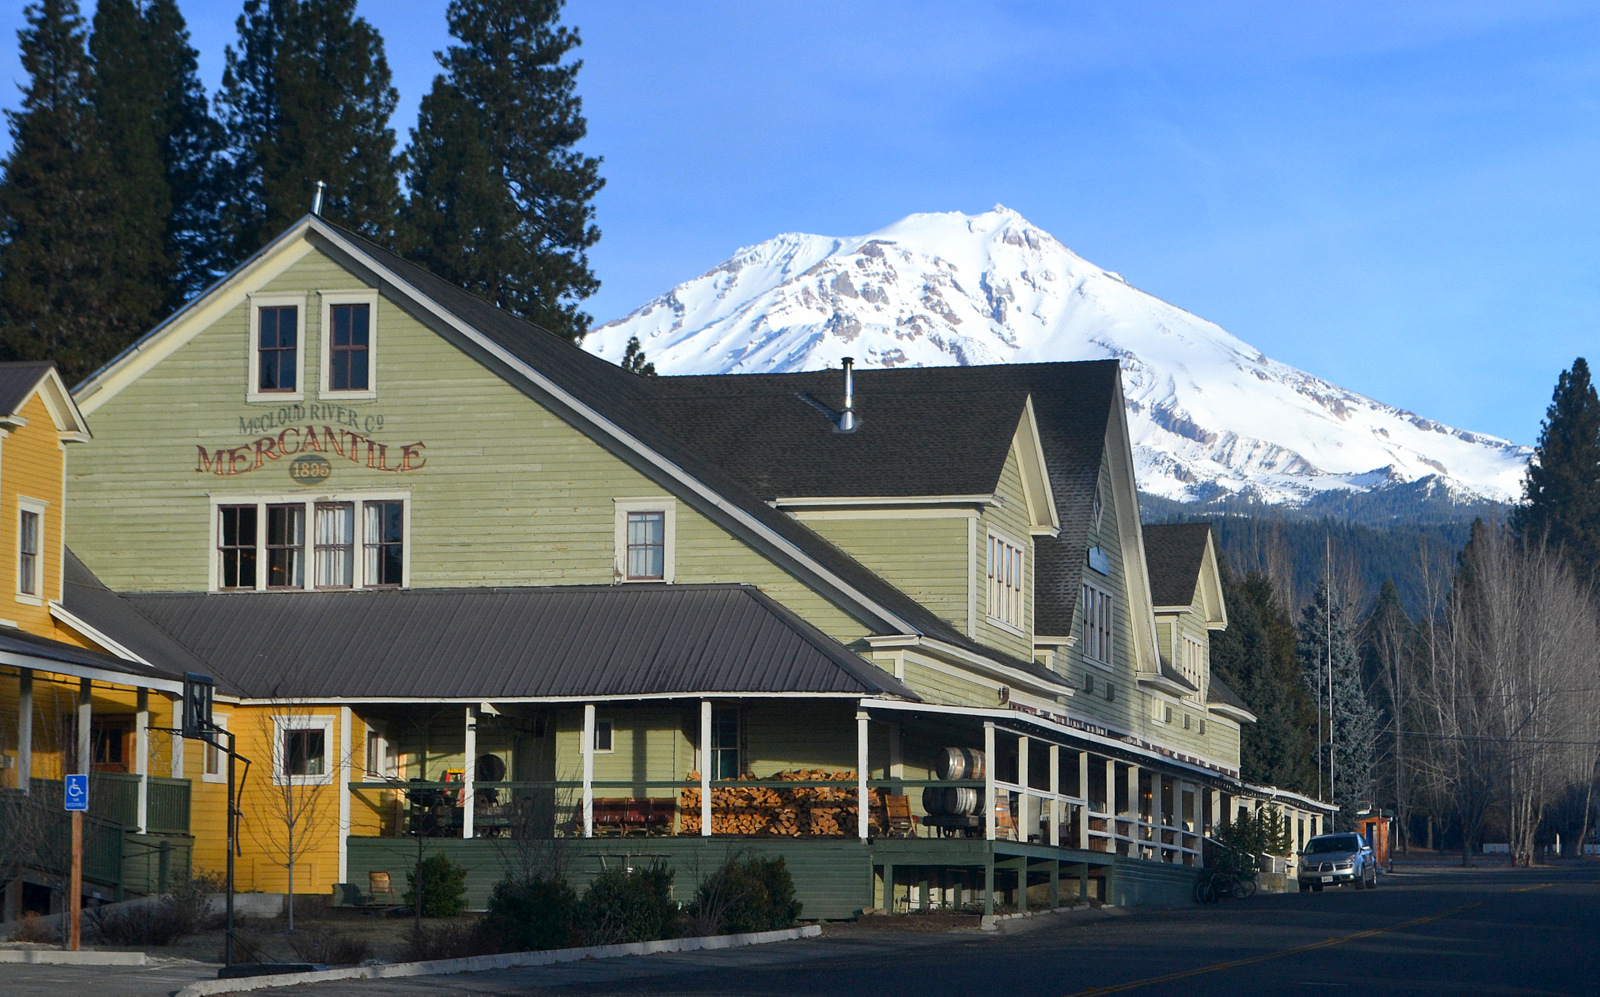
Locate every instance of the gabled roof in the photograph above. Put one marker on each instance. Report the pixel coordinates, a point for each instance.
(1174, 552)
(501, 643)
(1220, 698)
(107, 619)
(20, 379)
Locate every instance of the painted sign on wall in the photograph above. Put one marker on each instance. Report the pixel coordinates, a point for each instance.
(314, 449)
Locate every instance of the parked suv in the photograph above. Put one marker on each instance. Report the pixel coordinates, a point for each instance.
(1337, 859)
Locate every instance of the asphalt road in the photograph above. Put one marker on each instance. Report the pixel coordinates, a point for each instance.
(1434, 932)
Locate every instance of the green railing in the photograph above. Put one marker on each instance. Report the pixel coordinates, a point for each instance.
(115, 796)
(169, 806)
(41, 833)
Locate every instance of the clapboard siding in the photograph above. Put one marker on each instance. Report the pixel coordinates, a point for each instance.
(937, 686)
(1127, 711)
(925, 558)
(509, 495)
(1009, 519)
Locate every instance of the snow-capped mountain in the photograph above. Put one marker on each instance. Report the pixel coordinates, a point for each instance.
(1210, 415)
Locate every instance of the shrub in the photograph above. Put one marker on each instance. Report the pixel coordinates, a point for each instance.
(39, 930)
(529, 914)
(330, 948)
(745, 895)
(444, 886)
(167, 919)
(624, 905)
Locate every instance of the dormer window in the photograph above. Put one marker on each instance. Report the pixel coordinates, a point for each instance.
(1005, 581)
(1097, 617)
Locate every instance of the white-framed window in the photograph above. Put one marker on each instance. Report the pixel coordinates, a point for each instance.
(382, 761)
(1162, 712)
(30, 548)
(349, 352)
(302, 750)
(214, 760)
(1192, 662)
(604, 737)
(1006, 581)
(277, 347)
(360, 540)
(646, 535)
(1097, 631)
(726, 762)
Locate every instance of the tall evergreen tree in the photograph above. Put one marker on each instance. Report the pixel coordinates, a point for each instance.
(1326, 644)
(501, 200)
(1255, 656)
(307, 96)
(64, 290)
(1388, 645)
(1561, 494)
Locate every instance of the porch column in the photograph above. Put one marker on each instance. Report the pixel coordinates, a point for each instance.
(863, 801)
(469, 770)
(990, 825)
(1135, 811)
(141, 757)
(1216, 811)
(1025, 826)
(1055, 796)
(1111, 803)
(346, 718)
(588, 770)
(1083, 791)
(705, 768)
(175, 768)
(25, 731)
(85, 744)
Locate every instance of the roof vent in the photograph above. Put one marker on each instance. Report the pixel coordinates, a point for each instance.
(316, 199)
(847, 418)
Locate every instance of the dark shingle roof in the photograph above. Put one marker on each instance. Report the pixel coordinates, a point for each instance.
(1220, 692)
(86, 597)
(23, 643)
(512, 642)
(19, 378)
(1173, 553)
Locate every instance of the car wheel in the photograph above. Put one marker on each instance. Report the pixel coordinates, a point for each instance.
(1373, 883)
(1305, 887)
(1361, 881)
(1316, 887)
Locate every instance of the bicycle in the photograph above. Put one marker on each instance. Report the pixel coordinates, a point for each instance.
(1221, 883)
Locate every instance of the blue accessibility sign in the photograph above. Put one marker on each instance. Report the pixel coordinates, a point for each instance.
(77, 792)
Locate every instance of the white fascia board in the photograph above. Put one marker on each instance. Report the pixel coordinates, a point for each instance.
(1012, 719)
(1231, 712)
(474, 700)
(1274, 793)
(566, 398)
(1136, 575)
(961, 656)
(1044, 518)
(90, 672)
(845, 501)
(59, 612)
(1167, 685)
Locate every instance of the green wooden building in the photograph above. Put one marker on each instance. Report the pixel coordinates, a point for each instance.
(479, 585)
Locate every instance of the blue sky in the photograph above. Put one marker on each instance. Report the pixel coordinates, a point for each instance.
(1402, 198)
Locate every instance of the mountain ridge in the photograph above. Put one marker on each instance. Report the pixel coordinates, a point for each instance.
(1212, 418)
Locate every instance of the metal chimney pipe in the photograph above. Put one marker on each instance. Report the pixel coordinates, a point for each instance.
(316, 199)
(847, 418)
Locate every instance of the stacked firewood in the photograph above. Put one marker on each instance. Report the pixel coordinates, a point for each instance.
(804, 811)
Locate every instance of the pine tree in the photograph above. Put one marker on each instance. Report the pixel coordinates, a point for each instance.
(1325, 625)
(1387, 654)
(307, 96)
(63, 290)
(633, 359)
(1255, 656)
(1561, 494)
(501, 202)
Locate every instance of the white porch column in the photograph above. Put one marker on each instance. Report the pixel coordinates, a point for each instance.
(990, 825)
(1157, 818)
(1216, 811)
(1026, 822)
(85, 744)
(141, 757)
(588, 770)
(1055, 795)
(1135, 811)
(25, 731)
(1083, 791)
(469, 769)
(175, 770)
(863, 800)
(346, 718)
(705, 768)
(1111, 790)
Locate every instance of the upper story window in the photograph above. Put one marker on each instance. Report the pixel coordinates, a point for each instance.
(1097, 616)
(349, 343)
(1192, 662)
(278, 346)
(645, 536)
(277, 331)
(30, 537)
(1005, 581)
(262, 545)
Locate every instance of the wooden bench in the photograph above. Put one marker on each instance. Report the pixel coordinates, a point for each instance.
(624, 815)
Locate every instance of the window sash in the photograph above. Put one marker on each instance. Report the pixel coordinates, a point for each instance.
(305, 751)
(1005, 582)
(335, 553)
(286, 546)
(28, 553)
(277, 348)
(349, 347)
(1097, 616)
(236, 546)
(384, 543)
(647, 545)
(725, 743)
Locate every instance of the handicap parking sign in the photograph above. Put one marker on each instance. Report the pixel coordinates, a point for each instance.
(77, 792)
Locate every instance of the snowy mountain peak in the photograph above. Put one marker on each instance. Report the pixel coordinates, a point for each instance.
(1210, 415)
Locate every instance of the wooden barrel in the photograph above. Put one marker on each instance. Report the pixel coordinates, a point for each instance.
(950, 800)
(962, 763)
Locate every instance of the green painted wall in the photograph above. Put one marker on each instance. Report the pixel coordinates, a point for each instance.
(509, 494)
(925, 558)
(1127, 711)
(1008, 519)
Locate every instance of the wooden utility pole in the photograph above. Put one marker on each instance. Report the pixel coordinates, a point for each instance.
(75, 886)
